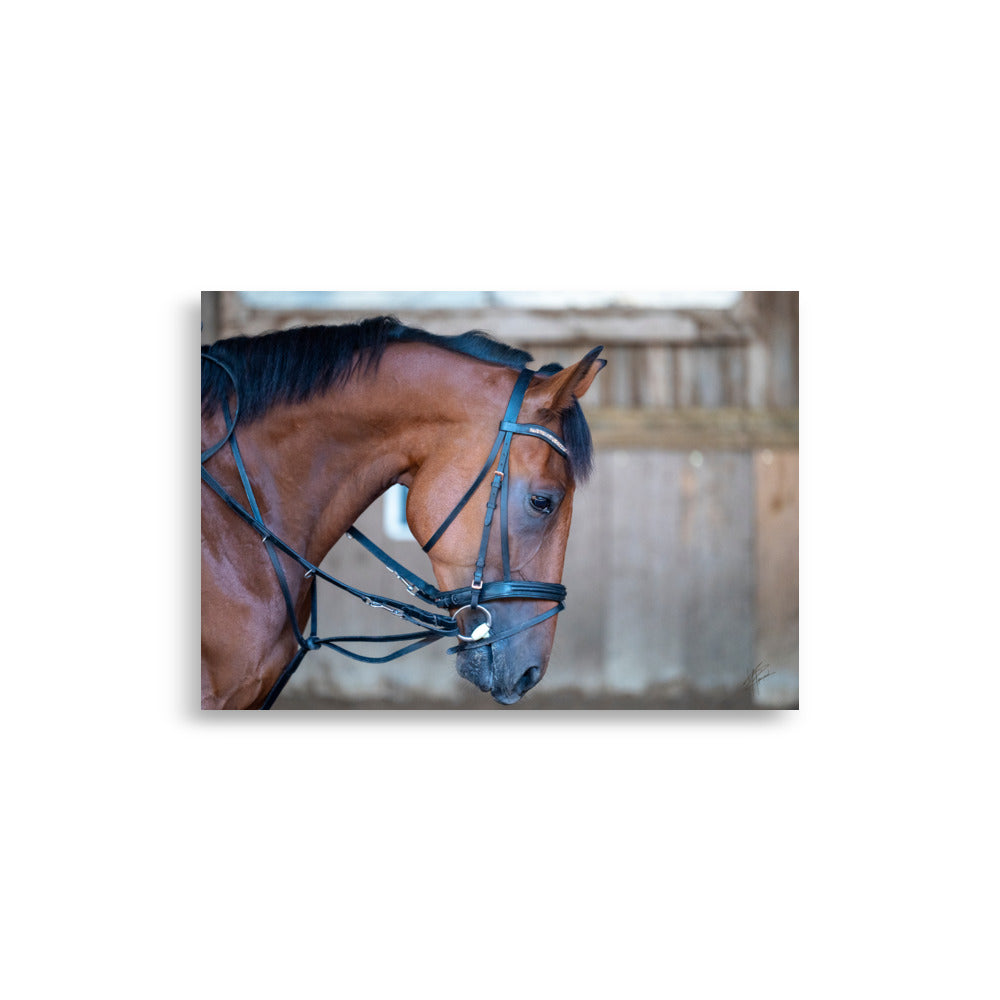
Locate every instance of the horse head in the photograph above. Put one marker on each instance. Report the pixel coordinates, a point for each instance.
(499, 547)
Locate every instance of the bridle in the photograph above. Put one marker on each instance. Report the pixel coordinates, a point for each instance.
(471, 599)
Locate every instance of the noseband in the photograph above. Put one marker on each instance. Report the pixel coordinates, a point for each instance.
(471, 599)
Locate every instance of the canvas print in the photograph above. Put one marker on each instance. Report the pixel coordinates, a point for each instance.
(499, 500)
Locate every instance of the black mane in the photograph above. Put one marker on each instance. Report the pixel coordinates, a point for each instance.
(292, 366)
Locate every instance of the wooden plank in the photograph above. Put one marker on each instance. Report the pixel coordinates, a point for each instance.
(709, 391)
(777, 546)
(643, 640)
(757, 372)
(618, 379)
(715, 560)
(656, 377)
(686, 380)
(774, 318)
(680, 603)
(599, 326)
(734, 376)
(520, 326)
(705, 376)
(725, 428)
(783, 356)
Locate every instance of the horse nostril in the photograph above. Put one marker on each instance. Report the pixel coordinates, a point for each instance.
(528, 680)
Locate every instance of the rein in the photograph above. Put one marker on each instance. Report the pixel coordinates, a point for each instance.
(433, 626)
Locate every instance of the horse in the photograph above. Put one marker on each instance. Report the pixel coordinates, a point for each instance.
(303, 429)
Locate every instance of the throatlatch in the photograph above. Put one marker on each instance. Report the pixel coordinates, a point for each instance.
(467, 599)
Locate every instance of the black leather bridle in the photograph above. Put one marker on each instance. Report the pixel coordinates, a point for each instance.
(433, 626)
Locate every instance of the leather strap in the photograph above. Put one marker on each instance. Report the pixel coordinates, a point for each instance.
(230, 428)
(502, 440)
(460, 506)
(425, 619)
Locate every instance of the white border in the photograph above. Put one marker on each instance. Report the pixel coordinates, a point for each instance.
(847, 848)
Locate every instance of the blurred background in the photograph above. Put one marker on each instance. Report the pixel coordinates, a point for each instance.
(682, 564)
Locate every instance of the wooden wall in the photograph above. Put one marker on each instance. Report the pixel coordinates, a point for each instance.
(682, 567)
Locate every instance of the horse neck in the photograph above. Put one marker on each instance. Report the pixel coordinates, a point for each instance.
(317, 466)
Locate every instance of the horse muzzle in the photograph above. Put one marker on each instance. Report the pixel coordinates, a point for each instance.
(499, 666)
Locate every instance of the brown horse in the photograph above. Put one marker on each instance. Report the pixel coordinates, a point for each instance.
(327, 418)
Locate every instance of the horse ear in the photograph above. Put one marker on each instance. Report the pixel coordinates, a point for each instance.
(556, 393)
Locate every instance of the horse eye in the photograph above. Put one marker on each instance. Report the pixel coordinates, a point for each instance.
(541, 504)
